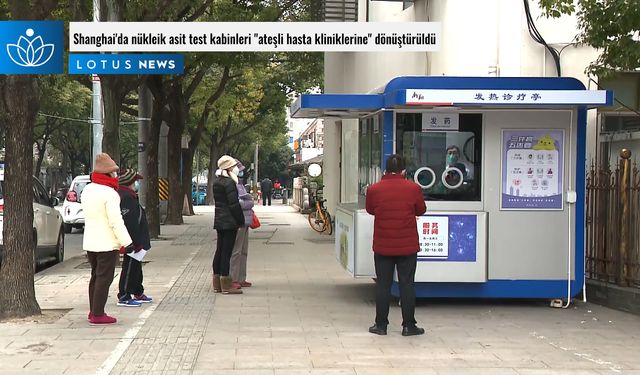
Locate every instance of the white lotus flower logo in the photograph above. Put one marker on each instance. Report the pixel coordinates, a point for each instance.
(30, 52)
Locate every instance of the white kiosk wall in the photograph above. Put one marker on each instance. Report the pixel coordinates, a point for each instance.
(526, 244)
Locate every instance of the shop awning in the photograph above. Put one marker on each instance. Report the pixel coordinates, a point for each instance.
(411, 92)
(336, 105)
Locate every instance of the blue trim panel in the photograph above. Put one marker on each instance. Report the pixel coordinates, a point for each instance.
(495, 83)
(394, 92)
(341, 101)
(387, 137)
(495, 289)
(581, 178)
(609, 97)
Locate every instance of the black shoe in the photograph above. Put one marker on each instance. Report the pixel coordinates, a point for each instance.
(412, 331)
(378, 330)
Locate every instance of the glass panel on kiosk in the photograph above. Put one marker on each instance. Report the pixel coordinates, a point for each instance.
(369, 153)
(446, 164)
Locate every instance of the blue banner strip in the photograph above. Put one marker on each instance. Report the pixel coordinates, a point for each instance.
(126, 63)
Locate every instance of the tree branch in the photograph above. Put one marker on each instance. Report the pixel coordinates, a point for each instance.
(129, 111)
(193, 85)
(155, 16)
(196, 135)
(200, 11)
(286, 7)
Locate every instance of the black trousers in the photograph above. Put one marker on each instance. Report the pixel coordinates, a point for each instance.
(103, 266)
(265, 198)
(224, 249)
(385, 266)
(130, 278)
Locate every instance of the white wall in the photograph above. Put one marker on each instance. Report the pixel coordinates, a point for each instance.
(477, 36)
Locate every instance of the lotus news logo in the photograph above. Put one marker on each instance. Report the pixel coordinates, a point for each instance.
(30, 52)
(31, 47)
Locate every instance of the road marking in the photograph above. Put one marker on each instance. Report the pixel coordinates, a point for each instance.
(132, 332)
(612, 366)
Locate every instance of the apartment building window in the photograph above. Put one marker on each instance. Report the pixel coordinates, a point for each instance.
(620, 122)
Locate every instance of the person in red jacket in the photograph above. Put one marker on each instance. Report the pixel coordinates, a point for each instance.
(395, 202)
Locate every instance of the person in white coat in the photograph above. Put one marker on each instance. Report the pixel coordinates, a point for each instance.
(104, 234)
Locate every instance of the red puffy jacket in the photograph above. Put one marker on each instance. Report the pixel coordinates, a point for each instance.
(395, 202)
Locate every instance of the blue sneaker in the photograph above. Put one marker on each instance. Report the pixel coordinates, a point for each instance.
(129, 303)
(142, 298)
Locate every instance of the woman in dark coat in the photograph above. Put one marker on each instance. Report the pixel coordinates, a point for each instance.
(228, 218)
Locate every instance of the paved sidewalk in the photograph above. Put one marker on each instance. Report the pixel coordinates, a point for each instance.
(305, 315)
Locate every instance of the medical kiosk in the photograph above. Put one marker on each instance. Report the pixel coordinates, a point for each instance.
(501, 164)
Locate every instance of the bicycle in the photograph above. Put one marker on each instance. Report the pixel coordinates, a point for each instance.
(319, 218)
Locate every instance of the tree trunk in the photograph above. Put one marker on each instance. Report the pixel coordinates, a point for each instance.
(38, 163)
(19, 106)
(72, 165)
(176, 196)
(112, 97)
(41, 151)
(153, 195)
(187, 172)
(213, 166)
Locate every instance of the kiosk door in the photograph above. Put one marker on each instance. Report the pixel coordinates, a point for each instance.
(444, 156)
(533, 158)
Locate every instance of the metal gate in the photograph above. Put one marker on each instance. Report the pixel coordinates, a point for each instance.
(613, 223)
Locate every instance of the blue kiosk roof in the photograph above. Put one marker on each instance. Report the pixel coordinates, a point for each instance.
(436, 91)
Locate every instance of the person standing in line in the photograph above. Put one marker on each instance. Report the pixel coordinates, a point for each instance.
(227, 219)
(266, 187)
(131, 290)
(395, 202)
(241, 246)
(104, 234)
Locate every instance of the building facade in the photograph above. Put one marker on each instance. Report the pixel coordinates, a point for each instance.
(486, 38)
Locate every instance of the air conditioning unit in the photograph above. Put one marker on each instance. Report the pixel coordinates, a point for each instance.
(339, 11)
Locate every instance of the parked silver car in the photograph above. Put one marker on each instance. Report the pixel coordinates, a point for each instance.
(48, 233)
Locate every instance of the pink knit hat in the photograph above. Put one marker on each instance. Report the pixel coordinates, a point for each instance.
(104, 164)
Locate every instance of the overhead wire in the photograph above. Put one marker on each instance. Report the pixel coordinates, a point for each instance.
(535, 35)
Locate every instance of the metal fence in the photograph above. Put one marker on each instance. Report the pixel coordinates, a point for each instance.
(613, 223)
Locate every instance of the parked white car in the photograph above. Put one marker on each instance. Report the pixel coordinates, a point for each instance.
(72, 213)
(48, 234)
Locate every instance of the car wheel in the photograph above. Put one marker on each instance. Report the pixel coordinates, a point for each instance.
(60, 247)
(67, 228)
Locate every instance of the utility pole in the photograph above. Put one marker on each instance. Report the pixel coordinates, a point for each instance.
(96, 95)
(145, 101)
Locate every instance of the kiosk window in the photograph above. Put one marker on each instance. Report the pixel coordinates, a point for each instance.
(369, 152)
(446, 164)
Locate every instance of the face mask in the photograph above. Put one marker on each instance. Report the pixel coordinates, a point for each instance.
(240, 174)
(114, 174)
(235, 170)
(452, 159)
(136, 186)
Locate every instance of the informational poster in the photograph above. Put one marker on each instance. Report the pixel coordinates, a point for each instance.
(532, 174)
(447, 237)
(344, 240)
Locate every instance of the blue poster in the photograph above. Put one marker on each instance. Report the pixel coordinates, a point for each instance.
(447, 238)
(532, 174)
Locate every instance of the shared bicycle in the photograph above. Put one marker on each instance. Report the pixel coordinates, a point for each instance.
(319, 217)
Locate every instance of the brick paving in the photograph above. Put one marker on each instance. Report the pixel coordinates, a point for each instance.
(169, 343)
(304, 315)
